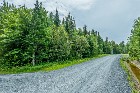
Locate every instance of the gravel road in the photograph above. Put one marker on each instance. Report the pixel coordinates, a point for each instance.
(103, 75)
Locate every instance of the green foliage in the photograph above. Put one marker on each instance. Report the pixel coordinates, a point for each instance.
(34, 36)
(10, 36)
(134, 41)
(93, 42)
(58, 44)
(69, 24)
(79, 47)
(100, 44)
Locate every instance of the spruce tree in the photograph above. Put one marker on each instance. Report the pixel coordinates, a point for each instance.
(85, 30)
(56, 19)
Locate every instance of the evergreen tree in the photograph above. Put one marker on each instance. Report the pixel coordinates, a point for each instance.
(85, 30)
(69, 24)
(122, 47)
(100, 44)
(56, 19)
(50, 21)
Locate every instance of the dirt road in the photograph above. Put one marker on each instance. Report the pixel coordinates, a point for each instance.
(103, 75)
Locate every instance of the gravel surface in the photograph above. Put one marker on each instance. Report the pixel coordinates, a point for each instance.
(103, 75)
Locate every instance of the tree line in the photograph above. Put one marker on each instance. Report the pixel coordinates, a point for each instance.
(134, 41)
(34, 36)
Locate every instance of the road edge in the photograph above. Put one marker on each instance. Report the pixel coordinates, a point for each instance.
(133, 81)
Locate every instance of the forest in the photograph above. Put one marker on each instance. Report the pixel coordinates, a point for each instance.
(35, 36)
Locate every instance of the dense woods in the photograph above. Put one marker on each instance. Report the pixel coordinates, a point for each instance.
(35, 36)
(134, 41)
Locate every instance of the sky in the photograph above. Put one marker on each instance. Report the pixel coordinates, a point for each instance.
(112, 18)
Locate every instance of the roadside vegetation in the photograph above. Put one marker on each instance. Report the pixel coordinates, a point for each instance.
(134, 41)
(33, 39)
(133, 73)
(133, 47)
(46, 66)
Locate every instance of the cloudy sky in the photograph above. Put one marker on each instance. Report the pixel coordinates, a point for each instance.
(112, 18)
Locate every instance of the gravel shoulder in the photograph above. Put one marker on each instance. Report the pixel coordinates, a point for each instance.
(102, 75)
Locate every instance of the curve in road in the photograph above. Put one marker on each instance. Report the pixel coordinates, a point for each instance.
(103, 75)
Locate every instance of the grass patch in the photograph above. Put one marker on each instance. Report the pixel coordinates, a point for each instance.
(45, 66)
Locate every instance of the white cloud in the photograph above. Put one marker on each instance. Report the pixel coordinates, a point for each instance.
(64, 6)
(79, 4)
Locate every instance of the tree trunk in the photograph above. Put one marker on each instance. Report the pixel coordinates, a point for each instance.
(33, 58)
